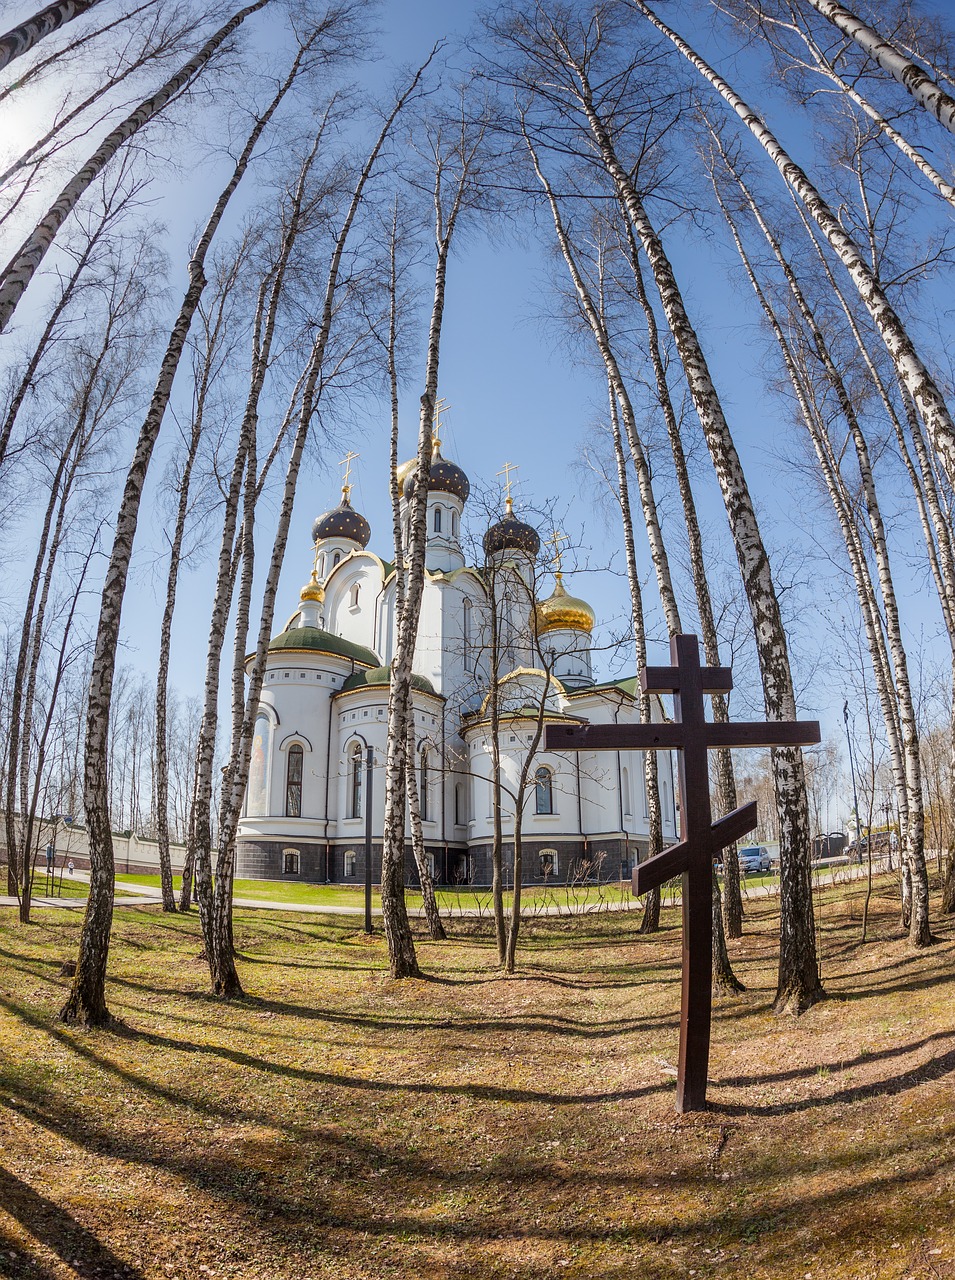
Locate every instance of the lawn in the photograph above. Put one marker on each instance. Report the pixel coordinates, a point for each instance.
(337, 1125)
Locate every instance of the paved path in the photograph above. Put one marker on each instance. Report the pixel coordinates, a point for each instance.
(137, 895)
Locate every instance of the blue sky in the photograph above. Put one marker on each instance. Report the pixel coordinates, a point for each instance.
(516, 395)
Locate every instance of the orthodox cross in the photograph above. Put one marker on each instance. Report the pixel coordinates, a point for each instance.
(440, 407)
(555, 542)
(346, 462)
(701, 838)
(506, 473)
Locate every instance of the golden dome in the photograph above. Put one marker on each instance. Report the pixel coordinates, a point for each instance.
(313, 590)
(561, 612)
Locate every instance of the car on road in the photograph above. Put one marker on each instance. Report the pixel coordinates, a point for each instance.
(753, 859)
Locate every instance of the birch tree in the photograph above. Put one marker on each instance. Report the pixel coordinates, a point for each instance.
(909, 364)
(21, 268)
(454, 152)
(562, 56)
(894, 683)
(21, 39)
(86, 1002)
(913, 78)
(217, 927)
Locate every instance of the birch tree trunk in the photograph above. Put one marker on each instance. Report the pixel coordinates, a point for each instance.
(21, 39)
(218, 936)
(401, 951)
(732, 899)
(911, 369)
(920, 933)
(87, 1000)
(429, 902)
(21, 268)
(594, 317)
(798, 984)
(650, 922)
(929, 95)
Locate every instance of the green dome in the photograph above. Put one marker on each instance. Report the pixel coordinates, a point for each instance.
(315, 640)
(382, 676)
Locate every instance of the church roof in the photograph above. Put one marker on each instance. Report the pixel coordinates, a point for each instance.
(445, 476)
(630, 686)
(314, 640)
(342, 521)
(382, 676)
(511, 534)
(563, 612)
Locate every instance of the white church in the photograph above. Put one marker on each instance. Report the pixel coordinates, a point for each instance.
(324, 703)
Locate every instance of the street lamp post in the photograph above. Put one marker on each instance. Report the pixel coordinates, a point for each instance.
(369, 765)
(852, 771)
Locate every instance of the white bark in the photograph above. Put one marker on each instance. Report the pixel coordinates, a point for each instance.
(21, 268)
(909, 74)
(218, 939)
(913, 372)
(21, 39)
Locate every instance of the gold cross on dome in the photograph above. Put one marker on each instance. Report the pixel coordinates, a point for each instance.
(506, 473)
(555, 542)
(346, 462)
(441, 406)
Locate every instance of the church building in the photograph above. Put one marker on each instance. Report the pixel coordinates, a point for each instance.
(324, 708)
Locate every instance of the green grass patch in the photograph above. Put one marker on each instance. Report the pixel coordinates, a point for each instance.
(338, 1125)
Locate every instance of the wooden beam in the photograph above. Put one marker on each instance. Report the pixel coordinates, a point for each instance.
(667, 679)
(660, 868)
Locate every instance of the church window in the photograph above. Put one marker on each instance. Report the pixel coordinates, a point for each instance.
(423, 788)
(291, 862)
(351, 860)
(466, 625)
(354, 781)
(625, 788)
(260, 764)
(321, 566)
(293, 781)
(337, 559)
(355, 591)
(544, 790)
(437, 519)
(458, 804)
(547, 863)
(454, 524)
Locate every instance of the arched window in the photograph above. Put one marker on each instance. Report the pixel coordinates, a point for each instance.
(454, 524)
(458, 804)
(293, 781)
(544, 790)
(321, 565)
(468, 643)
(336, 559)
(547, 864)
(625, 788)
(354, 782)
(423, 787)
(355, 592)
(257, 796)
(437, 519)
(291, 862)
(350, 861)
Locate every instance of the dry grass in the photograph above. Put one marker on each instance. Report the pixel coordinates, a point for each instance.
(337, 1124)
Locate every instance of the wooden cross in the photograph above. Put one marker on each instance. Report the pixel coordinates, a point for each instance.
(701, 838)
(346, 462)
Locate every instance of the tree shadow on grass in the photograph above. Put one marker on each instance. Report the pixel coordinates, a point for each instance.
(925, 1073)
(50, 1223)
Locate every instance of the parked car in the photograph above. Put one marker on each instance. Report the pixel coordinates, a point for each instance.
(753, 859)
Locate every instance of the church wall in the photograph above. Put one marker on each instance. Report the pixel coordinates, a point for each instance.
(352, 594)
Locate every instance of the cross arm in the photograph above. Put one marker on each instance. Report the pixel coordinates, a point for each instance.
(769, 733)
(667, 679)
(660, 868)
